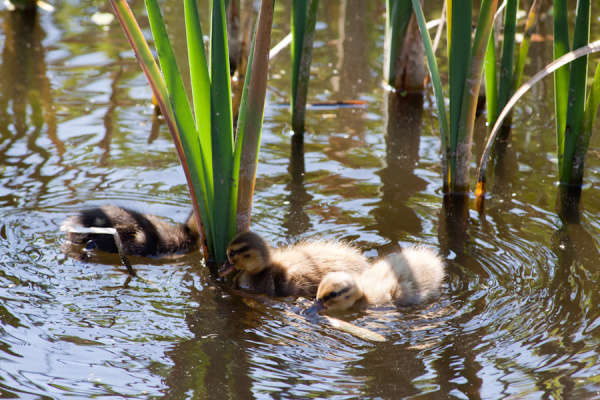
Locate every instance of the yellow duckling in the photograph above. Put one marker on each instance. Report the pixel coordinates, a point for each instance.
(294, 270)
(412, 276)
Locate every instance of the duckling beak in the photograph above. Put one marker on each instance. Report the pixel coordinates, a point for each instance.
(316, 307)
(226, 269)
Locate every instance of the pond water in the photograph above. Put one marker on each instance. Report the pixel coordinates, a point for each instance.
(519, 317)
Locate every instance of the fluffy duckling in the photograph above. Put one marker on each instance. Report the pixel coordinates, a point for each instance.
(410, 277)
(295, 270)
(141, 234)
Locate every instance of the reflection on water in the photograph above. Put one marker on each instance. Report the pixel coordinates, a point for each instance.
(519, 317)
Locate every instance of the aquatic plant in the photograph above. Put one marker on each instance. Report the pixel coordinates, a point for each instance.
(503, 79)
(574, 114)
(465, 59)
(304, 20)
(593, 103)
(220, 167)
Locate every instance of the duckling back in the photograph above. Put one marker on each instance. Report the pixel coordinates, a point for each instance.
(141, 234)
(296, 270)
(412, 276)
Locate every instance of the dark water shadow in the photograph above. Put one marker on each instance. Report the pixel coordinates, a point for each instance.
(399, 183)
(297, 221)
(109, 116)
(26, 104)
(458, 358)
(215, 363)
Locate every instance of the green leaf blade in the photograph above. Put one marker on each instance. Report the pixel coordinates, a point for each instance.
(222, 126)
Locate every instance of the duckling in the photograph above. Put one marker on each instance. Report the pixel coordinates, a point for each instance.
(295, 270)
(410, 277)
(141, 234)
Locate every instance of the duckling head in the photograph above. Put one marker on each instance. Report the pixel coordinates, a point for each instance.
(337, 291)
(246, 252)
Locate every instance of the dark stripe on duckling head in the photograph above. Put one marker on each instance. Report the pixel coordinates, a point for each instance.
(234, 252)
(333, 295)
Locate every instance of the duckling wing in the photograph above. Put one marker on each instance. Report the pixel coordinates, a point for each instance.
(304, 265)
(420, 273)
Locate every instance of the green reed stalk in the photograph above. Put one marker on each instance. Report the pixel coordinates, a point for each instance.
(250, 119)
(397, 19)
(508, 51)
(222, 125)
(465, 71)
(574, 99)
(200, 81)
(530, 25)
(304, 20)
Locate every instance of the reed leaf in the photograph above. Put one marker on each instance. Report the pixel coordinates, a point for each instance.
(491, 80)
(532, 19)
(576, 95)
(159, 89)
(437, 89)
(397, 17)
(301, 57)
(222, 128)
(183, 115)
(200, 80)
(250, 118)
(298, 27)
(508, 51)
(591, 109)
(459, 52)
(464, 135)
(561, 77)
(199, 144)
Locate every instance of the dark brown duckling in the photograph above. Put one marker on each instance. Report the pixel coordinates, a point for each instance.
(295, 270)
(141, 234)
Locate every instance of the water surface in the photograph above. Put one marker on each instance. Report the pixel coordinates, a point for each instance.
(519, 317)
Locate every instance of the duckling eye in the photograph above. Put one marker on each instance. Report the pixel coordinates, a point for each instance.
(333, 295)
(330, 296)
(232, 253)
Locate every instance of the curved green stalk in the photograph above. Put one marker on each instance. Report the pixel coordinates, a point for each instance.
(434, 73)
(550, 68)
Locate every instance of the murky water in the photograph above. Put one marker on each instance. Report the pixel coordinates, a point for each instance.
(520, 315)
